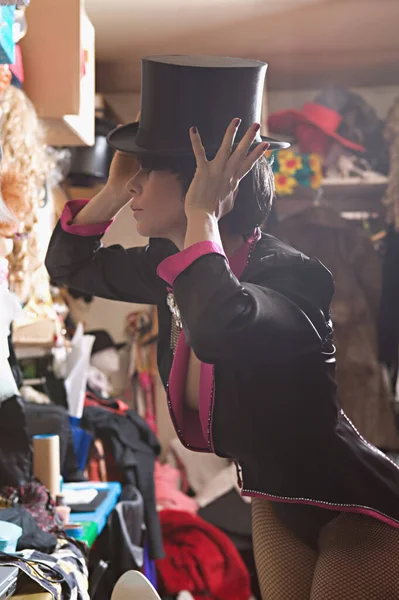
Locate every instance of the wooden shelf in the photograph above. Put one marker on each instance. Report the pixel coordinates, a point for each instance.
(345, 196)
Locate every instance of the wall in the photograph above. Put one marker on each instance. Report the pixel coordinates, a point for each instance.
(125, 106)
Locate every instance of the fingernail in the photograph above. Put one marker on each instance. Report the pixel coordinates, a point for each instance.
(194, 130)
(256, 127)
(237, 122)
(265, 146)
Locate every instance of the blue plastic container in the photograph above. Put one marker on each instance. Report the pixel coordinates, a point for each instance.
(9, 536)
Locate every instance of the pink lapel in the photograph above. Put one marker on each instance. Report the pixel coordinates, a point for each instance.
(195, 429)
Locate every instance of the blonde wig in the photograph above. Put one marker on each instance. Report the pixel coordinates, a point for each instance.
(25, 167)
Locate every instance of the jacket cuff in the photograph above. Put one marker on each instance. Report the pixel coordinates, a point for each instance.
(71, 209)
(171, 267)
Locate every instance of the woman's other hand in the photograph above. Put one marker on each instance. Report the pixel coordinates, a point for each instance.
(215, 184)
(114, 195)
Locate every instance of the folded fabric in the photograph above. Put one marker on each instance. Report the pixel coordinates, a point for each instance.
(200, 559)
(32, 536)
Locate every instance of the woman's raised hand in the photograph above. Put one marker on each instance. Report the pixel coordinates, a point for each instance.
(215, 184)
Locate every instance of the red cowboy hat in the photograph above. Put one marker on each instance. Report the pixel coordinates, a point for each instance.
(323, 117)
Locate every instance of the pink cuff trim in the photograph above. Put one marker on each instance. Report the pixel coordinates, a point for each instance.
(71, 209)
(172, 266)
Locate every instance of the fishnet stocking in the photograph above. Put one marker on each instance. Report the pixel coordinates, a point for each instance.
(284, 563)
(359, 558)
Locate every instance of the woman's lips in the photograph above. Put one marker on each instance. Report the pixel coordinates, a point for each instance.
(136, 211)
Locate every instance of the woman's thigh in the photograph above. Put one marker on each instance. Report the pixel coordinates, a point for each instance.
(284, 563)
(358, 559)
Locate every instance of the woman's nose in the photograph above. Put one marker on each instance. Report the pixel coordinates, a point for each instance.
(134, 186)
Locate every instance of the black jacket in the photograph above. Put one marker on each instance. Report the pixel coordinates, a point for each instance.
(270, 339)
(134, 448)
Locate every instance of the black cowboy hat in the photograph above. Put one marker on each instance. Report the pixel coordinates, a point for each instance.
(179, 92)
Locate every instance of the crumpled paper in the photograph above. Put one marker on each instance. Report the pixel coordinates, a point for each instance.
(77, 371)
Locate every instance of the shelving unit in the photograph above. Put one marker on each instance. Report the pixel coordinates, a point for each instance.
(345, 196)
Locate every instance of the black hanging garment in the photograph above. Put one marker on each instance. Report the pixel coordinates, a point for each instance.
(134, 448)
(126, 536)
(33, 537)
(15, 444)
(44, 419)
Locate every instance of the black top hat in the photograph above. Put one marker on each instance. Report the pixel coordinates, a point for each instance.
(181, 91)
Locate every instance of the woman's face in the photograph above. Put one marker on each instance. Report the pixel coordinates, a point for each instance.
(158, 204)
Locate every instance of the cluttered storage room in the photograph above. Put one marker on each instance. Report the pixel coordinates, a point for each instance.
(199, 270)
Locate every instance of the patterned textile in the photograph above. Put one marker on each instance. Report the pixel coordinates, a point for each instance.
(36, 499)
(63, 574)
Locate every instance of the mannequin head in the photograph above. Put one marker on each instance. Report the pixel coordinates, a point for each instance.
(106, 360)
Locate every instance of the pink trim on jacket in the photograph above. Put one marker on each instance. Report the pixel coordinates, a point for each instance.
(185, 421)
(172, 266)
(71, 209)
(347, 508)
(195, 428)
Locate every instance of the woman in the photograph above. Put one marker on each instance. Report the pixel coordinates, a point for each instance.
(245, 348)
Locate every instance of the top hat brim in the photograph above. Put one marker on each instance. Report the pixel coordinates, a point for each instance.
(123, 139)
(286, 122)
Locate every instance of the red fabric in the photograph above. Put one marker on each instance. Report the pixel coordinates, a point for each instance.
(114, 405)
(200, 559)
(94, 470)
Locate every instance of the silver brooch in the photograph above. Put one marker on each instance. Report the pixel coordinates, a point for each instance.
(174, 309)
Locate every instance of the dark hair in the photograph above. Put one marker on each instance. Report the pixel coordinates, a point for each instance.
(254, 198)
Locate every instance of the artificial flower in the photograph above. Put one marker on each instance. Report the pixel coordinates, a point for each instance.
(285, 184)
(290, 162)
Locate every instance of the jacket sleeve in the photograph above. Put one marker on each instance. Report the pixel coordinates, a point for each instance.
(283, 314)
(77, 258)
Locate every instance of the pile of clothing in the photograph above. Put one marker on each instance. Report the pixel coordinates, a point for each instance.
(49, 558)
